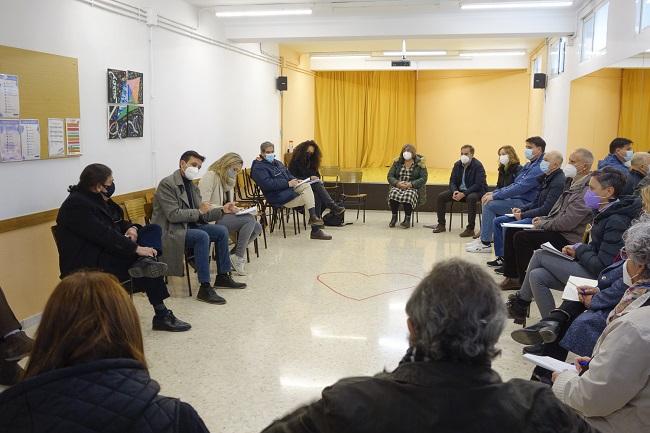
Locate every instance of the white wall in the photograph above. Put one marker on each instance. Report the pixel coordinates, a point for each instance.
(622, 42)
(197, 95)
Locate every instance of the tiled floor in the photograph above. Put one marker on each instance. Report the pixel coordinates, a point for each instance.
(314, 312)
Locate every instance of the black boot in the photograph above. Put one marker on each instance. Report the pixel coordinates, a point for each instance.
(148, 267)
(209, 295)
(338, 210)
(225, 281)
(169, 322)
(545, 331)
(407, 222)
(518, 309)
(535, 349)
(393, 221)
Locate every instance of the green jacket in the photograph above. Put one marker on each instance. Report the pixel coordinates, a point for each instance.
(418, 177)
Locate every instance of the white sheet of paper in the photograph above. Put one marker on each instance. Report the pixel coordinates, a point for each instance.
(30, 138)
(550, 248)
(549, 363)
(9, 100)
(303, 181)
(571, 289)
(510, 215)
(56, 137)
(520, 226)
(10, 149)
(250, 210)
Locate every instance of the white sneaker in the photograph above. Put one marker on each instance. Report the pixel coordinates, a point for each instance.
(480, 248)
(474, 242)
(238, 264)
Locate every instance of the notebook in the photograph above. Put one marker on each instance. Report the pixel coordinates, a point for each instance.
(571, 289)
(518, 226)
(250, 210)
(549, 363)
(551, 249)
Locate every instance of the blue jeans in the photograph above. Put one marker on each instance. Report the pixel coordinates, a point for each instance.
(500, 232)
(494, 209)
(199, 240)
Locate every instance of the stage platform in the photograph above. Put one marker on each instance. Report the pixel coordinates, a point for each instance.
(437, 176)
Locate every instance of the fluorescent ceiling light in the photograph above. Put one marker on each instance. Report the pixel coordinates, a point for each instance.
(517, 5)
(339, 56)
(266, 13)
(492, 53)
(414, 53)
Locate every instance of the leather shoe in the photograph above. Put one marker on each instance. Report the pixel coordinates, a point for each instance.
(393, 221)
(321, 235)
(10, 373)
(170, 323)
(16, 346)
(147, 267)
(440, 228)
(545, 331)
(338, 210)
(315, 221)
(510, 284)
(209, 295)
(225, 281)
(468, 233)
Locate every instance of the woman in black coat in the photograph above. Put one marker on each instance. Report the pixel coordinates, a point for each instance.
(509, 166)
(305, 163)
(91, 233)
(87, 372)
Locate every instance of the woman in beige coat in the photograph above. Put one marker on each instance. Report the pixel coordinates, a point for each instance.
(612, 389)
(217, 187)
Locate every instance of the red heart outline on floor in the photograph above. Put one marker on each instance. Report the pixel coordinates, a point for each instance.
(321, 277)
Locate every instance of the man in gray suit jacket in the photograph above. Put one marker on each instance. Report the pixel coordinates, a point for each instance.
(179, 209)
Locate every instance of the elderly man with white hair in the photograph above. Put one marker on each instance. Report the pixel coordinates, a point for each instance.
(638, 171)
(445, 382)
(551, 187)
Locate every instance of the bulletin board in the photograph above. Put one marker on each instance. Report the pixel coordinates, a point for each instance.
(48, 89)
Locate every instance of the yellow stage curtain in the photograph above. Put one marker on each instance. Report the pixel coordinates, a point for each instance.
(634, 120)
(364, 118)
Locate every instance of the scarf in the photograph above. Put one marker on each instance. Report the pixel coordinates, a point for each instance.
(633, 298)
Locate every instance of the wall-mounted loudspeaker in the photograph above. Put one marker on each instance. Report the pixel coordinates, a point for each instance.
(281, 83)
(539, 81)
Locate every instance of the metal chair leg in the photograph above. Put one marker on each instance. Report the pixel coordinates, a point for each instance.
(187, 274)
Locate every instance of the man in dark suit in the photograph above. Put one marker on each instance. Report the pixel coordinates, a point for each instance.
(467, 183)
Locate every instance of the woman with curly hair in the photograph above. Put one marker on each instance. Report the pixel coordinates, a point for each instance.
(305, 163)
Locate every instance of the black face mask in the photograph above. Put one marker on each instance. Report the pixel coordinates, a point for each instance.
(110, 190)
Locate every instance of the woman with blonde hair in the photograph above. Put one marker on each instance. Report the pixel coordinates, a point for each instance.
(87, 371)
(509, 166)
(217, 187)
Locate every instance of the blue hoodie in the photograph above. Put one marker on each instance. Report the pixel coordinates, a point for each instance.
(526, 185)
(612, 161)
(273, 179)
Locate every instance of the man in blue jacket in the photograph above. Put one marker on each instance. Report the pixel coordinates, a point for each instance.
(517, 195)
(466, 183)
(281, 188)
(620, 154)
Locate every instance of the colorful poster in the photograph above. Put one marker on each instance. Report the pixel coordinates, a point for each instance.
(9, 100)
(117, 86)
(10, 149)
(30, 139)
(56, 138)
(135, 86)
(117, 121)
(73, 136)
(135, 121)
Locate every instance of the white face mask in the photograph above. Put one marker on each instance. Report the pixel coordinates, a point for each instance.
(465, 159)
(627, 278)
(570, 170)
(407, 155)
(191, 172)
(504, 159)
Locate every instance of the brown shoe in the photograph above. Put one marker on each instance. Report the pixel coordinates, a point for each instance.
(468, 233)
(320, 235)
(440, 228)
(510, 284)
(315, 221)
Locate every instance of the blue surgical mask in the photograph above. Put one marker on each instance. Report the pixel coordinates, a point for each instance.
(270, 157)
(545, 166)
(628, 155)
(528, 153)
(231, 173)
